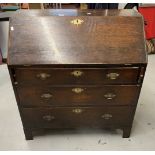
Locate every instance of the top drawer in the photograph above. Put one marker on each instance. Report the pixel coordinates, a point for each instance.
(70, 76)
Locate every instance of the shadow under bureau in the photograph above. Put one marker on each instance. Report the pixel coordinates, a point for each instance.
(76, 69)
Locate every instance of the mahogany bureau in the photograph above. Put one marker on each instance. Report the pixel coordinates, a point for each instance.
(76, 69)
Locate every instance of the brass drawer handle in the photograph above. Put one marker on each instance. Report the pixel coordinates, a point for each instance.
(77, 110)
(77, 90)
(109, 96)
(46, 96)
(43, 76)
(112, 76)
(106, 116)
(48, 118)
(77, 73)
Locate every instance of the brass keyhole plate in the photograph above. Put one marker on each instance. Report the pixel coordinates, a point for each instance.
(77, 21)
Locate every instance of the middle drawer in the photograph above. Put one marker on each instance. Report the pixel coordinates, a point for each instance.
(79, 95)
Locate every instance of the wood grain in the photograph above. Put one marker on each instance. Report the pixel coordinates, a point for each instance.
(108, 39)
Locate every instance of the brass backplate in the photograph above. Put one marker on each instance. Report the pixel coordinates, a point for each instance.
(77, 21)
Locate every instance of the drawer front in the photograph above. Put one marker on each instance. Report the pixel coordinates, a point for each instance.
(77, 117)
(72, 96)
(66, 76)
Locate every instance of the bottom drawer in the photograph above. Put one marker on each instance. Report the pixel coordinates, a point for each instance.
(74, 117)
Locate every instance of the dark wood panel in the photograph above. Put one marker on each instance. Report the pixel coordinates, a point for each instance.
(80, 95)
(103, 39)
(67, 12)
(64, 76)
(77, 117)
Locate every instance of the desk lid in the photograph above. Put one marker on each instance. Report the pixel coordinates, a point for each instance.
(76, 37)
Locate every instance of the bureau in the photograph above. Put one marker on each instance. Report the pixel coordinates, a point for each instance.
(76, 69)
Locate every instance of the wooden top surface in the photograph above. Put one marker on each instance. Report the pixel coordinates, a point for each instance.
(69, 12)
(103, 37)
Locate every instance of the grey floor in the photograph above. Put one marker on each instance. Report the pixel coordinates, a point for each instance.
(142, 137)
